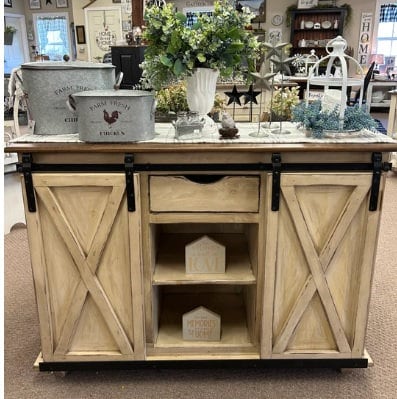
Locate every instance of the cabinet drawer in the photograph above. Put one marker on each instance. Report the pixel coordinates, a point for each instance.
(195, 194)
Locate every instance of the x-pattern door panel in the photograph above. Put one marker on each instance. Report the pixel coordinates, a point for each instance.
(91, 285)
(321, 281)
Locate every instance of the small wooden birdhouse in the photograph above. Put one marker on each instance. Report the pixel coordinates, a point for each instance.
(201, 324)
(205, 255)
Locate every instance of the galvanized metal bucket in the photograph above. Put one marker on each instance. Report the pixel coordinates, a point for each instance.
(114, 116)
(48, 85)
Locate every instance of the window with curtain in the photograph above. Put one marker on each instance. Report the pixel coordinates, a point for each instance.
(52, 36)
(387, 30)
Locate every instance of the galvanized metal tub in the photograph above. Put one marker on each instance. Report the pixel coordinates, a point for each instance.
(48, 85)
(114, 115)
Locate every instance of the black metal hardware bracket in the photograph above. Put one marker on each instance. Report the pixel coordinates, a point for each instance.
(26, 169)
(276, 163)
(214, 167)
(378, 167)
(129, 181)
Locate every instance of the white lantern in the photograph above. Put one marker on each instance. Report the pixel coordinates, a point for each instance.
(339, 80)
(310, 61)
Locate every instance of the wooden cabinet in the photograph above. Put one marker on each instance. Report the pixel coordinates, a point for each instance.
(313, 28)
(127, 59)
(108, 254)
(86, 267)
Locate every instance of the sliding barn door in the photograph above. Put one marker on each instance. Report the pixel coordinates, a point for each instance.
(86, 260)
(319, 261)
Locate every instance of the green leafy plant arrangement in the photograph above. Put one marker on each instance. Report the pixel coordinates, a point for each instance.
(313, 118)
(219, 41)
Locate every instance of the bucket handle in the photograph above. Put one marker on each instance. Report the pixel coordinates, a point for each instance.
(71, 103)
(119, 78)
(153, 109)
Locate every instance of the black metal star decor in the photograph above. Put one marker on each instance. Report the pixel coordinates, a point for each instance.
(234, 97)
(250, 95)
(48, 2)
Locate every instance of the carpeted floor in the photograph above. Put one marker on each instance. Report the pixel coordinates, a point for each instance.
(22, 346)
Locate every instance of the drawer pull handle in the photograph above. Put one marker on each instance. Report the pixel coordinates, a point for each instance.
(204, 179)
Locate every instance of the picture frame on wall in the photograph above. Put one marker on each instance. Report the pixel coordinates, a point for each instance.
(80, 34)
(34, 4)
(302, 4)
(7, 3)
(62, 3)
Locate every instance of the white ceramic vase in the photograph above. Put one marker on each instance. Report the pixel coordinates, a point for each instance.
(200, 90)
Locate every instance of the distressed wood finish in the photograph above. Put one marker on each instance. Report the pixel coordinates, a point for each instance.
(319, 278)
(85, 270)
(112, 284)
(179, 194)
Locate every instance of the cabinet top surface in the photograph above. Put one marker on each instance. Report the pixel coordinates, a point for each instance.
(165, 142)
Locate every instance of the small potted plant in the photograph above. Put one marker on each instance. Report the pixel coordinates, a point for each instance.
(283, 102)
(9, 35)
(170, 101)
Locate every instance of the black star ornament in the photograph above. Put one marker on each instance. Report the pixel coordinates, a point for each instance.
(234, 96)
(250, 95)
(48, 2)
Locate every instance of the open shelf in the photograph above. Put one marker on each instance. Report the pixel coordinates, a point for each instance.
(230, 306)
(170, 263)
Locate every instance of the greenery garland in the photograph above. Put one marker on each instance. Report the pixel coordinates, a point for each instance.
(313, 118)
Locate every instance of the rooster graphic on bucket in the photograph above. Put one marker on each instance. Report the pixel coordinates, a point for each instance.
(110, 119)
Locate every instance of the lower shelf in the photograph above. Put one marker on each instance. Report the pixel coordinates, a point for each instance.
(235, 335)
